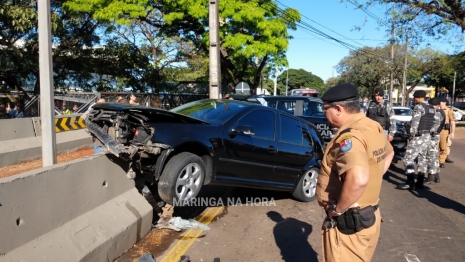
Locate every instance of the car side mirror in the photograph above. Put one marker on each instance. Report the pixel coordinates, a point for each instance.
(242, 130)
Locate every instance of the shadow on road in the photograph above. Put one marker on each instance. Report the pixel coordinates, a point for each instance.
(392, 176)
(439, 200)
(291, 236)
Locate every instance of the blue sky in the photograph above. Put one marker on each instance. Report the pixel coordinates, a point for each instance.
(319, 55)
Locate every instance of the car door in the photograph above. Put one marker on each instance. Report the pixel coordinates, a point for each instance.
(295, 150)
(250, 156)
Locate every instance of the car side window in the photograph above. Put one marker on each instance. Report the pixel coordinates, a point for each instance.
(286, 106)
(290, 130)
(308, 141)
(312, 108)
(262, 122)
(271, 104)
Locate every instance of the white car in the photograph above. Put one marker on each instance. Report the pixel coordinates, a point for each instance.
(403, 114)
(458, 114)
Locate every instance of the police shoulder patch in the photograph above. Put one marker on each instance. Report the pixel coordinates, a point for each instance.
(345, 142)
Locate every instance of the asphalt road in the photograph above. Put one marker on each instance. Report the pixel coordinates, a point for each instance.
(257, 225)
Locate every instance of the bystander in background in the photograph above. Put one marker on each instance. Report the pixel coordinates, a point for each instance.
(133, 100)
(65, 110)
(17, 111)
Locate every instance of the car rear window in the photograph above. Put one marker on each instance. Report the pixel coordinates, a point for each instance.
(402, 111)
(211, 111)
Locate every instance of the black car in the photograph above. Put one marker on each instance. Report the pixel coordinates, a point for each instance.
(305, 107)
(224, 142)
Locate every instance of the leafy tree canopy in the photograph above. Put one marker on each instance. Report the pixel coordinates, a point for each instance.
(253, 33)
(299, 78)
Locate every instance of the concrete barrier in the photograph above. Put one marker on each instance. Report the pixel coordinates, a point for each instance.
(21, 140)
(84, 210)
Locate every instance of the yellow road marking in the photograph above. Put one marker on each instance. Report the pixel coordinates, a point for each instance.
(191, 235)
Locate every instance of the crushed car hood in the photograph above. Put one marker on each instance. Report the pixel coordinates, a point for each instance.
(152, 114)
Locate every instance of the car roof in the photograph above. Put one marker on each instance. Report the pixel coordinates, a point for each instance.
(400, 107)
(291, 98)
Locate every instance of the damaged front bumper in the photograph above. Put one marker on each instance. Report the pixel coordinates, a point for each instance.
(112, 146)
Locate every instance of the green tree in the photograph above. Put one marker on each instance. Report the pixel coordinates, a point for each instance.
(421, 64)
(366, 68)
(18, 41)
(72, 36)
(253, 33)
(432, 13)
(443, 76)
(299, 78)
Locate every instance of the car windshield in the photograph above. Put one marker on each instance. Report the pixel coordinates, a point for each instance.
(211, 111)
(403, 111)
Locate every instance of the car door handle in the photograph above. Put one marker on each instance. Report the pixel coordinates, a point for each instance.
(272, 150)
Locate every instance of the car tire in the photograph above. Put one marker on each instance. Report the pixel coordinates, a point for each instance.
(306, 188)
(182, 179)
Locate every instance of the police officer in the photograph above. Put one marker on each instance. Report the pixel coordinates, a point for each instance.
(381, 111)
(351, 174)
(432, 155)
(420, 138)
(447, 134)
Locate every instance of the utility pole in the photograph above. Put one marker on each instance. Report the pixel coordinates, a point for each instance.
(453, 91)
(404, 77)
(47, 111)
(215, 65)
(391, 74)
(275, 80)
(287, 78)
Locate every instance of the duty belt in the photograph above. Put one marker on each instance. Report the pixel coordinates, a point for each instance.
(332, 224)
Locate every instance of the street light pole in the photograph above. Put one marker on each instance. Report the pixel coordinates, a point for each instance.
(47, 112)
(391, 75)
(453, 90)
(287, 78)
(215, 65)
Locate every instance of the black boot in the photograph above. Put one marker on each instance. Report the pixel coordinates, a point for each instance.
(436, 178)
(420, 181)
(448, 160)
(409, 184)
(431, 180)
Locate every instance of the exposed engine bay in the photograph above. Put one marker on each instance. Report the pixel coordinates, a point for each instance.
(127, 135)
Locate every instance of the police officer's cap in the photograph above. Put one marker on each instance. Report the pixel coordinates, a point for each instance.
(379, 92)
(419, 93)
(340, 92)
(444, 99)
(434, 101)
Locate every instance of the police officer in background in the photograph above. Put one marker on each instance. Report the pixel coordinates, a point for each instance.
(381, 111)
(432, 156)
(447, 134)
(420, 138)
(352, 170)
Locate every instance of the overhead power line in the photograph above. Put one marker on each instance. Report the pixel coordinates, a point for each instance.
(370, 14)
(311, 29)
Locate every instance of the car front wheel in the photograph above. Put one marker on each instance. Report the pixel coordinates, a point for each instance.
(306, 188)
(182, 179)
